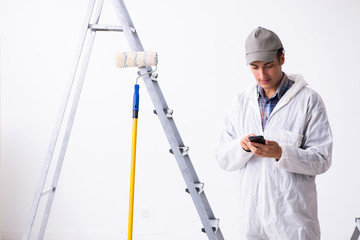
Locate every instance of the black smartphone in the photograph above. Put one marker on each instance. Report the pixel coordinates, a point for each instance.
(257, 139)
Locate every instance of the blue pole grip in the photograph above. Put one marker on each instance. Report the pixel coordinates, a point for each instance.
(136, 98)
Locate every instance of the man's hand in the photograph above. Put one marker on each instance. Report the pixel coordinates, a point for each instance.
(244, 142)
(270, 149)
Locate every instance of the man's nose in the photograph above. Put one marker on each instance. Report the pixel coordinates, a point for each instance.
(262, 74)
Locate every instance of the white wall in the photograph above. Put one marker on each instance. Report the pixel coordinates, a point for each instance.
(200, 46)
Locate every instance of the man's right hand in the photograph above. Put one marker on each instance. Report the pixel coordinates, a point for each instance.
(245, 141)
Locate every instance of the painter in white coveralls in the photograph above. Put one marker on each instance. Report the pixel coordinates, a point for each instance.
(278, 198)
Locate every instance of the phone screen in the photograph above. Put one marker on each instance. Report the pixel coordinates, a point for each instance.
(257, 139)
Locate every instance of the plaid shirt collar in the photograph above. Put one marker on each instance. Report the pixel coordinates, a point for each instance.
(280, 91)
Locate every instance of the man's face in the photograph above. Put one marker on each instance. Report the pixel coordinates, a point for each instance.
(268, 74)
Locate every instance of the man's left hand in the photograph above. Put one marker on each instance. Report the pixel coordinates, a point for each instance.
(270, 149)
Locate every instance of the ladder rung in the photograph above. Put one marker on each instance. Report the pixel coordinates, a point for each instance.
(168, 112)
(198, 186)
(48, 191)
(102, 27)
(214, 225)
(183, 150)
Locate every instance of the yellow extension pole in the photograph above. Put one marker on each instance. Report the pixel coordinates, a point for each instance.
(133, 161)
(132, 179)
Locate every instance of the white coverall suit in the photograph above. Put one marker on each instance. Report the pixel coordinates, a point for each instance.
(278, 199)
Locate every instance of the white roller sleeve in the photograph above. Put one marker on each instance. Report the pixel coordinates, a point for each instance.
(136, 59)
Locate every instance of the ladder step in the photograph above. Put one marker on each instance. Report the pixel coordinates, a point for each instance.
(168, 112)
(48, 191)
(214, 225)
(102, 27)
(183, 150)
(198, 186)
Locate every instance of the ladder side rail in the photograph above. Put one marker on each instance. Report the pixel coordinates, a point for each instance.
(211, 215)
(185, 165)
(184, 162)
(174, 138)
(57, 127)
(356, 233)
(135, 45)
(195, 179)
(127, 25)
(168, 124)
(71, 118)
(201, 195)
(200, 201)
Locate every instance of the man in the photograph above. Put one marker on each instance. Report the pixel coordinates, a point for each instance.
(278, 198)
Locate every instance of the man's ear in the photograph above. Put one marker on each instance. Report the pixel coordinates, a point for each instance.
(282, 58)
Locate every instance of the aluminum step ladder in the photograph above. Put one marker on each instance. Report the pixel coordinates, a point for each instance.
(356, 233)
(178, 149)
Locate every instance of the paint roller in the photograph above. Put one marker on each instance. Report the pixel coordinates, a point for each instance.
(135, 59)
